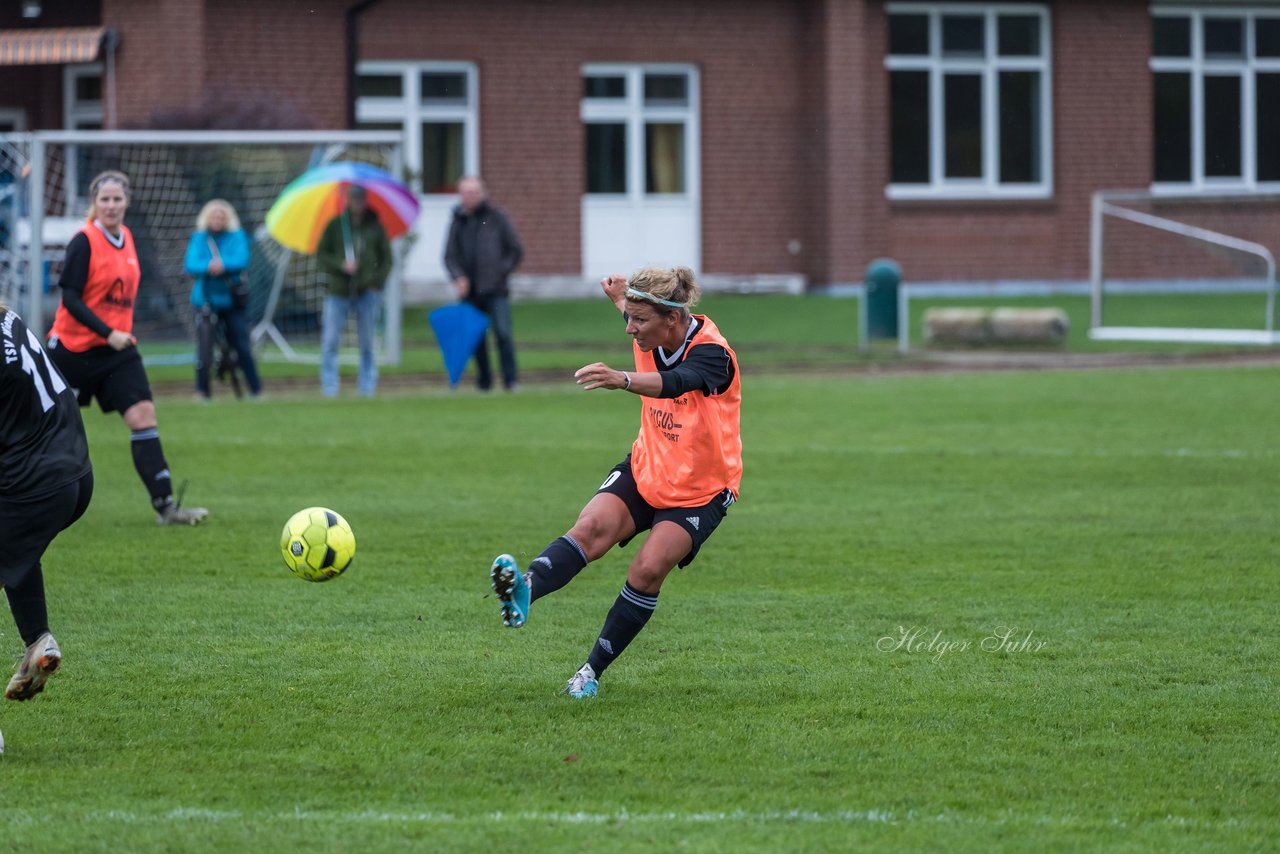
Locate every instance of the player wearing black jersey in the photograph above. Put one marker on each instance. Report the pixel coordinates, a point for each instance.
(46, 482)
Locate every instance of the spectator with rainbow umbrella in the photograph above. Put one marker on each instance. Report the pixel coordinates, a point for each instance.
(345, 214)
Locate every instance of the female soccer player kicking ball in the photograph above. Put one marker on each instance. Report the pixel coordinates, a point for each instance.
(678, 481)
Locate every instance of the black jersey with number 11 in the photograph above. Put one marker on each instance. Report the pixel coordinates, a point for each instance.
(42, 442)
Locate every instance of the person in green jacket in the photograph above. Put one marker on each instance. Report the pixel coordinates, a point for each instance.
(355, 256)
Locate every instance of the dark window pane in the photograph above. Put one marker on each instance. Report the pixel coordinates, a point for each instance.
(1172, 37)
(604, 87)
(909, 35)
(380, 86)
(962, 121)
(395, 126)
(909, 127)
(449, 87)
(1019, 35)
(1267, 88)
(1172, 128)
(1019, 127)
(441, 156)
(666, 89)
(962, 35)
(606, 158)
(88, 87)
(1223, 38)
(1221, 127)
(664, 158)
(1266, 42)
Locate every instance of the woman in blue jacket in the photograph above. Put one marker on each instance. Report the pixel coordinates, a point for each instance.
(218, 256)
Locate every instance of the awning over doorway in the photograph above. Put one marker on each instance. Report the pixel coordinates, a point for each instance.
(50, 46)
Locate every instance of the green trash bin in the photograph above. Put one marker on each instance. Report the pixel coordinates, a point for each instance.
(884, 275)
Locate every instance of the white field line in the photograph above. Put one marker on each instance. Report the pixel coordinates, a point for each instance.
(967, 451)
(199, 815)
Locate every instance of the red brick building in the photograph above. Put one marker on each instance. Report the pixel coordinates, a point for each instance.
(745, 137)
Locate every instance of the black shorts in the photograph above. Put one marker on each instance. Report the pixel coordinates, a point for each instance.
(27, 527)
(115, 377)
(698, 521)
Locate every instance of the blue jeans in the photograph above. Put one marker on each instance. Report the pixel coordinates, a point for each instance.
(332, 323)
(499, 311)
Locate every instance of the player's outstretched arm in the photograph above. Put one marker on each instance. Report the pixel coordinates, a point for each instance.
(600, 375)
(615, 288)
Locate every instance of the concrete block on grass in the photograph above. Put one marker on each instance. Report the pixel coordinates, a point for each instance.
(1035, 326)
(982, 327)
(968, 326)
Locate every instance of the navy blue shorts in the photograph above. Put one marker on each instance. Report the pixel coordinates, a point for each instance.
(28, 527)
(698, 521)
(115, 377)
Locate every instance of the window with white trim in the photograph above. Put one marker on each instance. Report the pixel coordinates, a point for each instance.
(82, 96)
(969, 101)
(1216, 83)
(435, 105)
(639, 124)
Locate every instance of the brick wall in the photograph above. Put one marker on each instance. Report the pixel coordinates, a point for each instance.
(853, 83)
(291, 59)
(181, 55)
(161, 58)
(794, 110)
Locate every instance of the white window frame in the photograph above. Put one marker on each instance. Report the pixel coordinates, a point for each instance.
(411, 113)
(76, 114)
(988, 67)
(632, 112)
(1199, 67)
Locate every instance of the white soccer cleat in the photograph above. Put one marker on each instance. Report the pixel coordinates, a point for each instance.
(583, 685)
(172, 514)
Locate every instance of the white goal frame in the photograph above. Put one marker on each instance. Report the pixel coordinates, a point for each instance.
(1111, 203)
(333, 142)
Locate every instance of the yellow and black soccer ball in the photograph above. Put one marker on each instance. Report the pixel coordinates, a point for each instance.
(317, 544)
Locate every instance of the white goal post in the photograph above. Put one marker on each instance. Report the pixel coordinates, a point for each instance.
(1208, 267)
(173, 174)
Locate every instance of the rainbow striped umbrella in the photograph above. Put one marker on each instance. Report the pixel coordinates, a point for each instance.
(298, 217)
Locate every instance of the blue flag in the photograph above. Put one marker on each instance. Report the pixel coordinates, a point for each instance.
(459, 329)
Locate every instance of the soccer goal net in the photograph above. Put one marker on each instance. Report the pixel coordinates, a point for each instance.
(44, 181)
(1196, 269)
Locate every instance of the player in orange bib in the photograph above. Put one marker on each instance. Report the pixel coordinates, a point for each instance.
(679, 480)
(92, 340)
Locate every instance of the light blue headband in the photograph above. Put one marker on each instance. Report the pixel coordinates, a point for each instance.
(635, 294)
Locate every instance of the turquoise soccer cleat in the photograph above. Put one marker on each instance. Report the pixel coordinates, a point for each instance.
(512, 589)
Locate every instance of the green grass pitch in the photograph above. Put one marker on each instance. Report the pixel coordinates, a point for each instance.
(963, 612)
